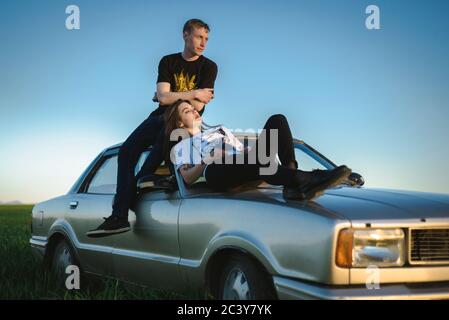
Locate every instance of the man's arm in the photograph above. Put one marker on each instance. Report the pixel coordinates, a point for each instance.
(198, 97)
(197, 105)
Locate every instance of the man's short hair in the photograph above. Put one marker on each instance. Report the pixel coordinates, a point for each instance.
(194, 23)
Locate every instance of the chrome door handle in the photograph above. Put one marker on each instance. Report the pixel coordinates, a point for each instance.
(73, 204)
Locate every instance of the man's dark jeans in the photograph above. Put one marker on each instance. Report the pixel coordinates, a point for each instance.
(149, 132)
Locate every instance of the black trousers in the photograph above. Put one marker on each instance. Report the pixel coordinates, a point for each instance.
(221, 176)
(149, 133)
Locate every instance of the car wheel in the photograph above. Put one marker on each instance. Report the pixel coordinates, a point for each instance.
(63, 257)
(243, 279)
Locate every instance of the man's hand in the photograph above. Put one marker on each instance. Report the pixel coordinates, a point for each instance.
(167, 97)
(204, 95)
(197, 105)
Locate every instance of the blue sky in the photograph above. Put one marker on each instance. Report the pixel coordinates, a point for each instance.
(376, 100)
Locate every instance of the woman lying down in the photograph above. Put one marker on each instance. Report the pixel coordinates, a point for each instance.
(201, 153)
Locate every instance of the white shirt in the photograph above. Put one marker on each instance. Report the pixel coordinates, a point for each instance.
(195, 149)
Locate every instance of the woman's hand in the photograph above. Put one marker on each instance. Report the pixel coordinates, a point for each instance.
(190, 172)
(215, 155)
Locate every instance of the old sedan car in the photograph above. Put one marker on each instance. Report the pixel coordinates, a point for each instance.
(249, 242)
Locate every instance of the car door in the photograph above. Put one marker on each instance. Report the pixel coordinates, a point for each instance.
(86, 210)
(149, 253)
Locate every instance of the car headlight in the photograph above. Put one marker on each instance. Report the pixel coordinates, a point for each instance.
(362, 248)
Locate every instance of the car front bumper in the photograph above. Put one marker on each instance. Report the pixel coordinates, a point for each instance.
(293, 289)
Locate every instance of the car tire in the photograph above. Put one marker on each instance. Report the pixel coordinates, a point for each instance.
(243, 279)
(63, 256)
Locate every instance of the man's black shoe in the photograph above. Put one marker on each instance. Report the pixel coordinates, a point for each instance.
(111, 225)
(318, 181)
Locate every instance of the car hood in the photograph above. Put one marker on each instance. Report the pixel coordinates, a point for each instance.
(384, 204)
(359, 203)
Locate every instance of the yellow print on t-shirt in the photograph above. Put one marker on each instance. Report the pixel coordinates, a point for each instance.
(184, 82)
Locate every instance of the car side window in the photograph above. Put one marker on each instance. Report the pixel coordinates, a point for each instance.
(105, 178)
(162, 170)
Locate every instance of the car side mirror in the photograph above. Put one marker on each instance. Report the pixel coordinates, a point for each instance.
(356, 179)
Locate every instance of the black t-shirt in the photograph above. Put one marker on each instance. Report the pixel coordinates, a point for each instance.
(185, 75)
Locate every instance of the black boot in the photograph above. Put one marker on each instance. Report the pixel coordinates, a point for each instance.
(313, 183)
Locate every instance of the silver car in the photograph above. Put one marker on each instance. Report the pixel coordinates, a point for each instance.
(249, 242)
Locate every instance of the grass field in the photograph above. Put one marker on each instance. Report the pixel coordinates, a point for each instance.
(22, 276)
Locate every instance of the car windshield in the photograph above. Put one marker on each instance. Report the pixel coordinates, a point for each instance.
(308, 159)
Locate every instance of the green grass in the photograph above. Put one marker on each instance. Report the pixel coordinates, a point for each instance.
(23, 276)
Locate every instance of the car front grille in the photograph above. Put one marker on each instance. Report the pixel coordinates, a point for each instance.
(429, 246)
